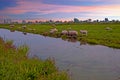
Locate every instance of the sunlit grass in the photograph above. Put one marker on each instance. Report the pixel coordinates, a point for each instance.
(96, 31)
(15, 65)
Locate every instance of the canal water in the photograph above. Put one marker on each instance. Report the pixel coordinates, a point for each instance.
(84, 62)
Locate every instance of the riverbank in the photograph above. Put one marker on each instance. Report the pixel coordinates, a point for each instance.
(97, 33)
(15, 65)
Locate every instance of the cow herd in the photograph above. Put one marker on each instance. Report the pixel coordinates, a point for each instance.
(70, 33)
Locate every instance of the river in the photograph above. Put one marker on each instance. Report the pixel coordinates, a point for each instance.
(84, 62)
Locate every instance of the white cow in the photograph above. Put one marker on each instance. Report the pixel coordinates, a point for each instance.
(64, 32)
(108, 28)
(53, 30)
(11, 26)
(24, 27)
(72, 33)
(83, 32)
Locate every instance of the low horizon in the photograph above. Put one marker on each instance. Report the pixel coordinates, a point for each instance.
(8, 20)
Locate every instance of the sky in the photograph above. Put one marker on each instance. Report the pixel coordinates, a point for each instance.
(59, 9)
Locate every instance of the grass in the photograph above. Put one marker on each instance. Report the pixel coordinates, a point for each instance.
(96, 31)
(14, 65)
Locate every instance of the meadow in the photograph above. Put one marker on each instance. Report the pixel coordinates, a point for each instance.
(97, 33)
(15, 65)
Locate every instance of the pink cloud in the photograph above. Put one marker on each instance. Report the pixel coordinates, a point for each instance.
(27, 6)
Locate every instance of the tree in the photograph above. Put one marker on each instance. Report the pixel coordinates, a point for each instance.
(76, 20)
(106, 20)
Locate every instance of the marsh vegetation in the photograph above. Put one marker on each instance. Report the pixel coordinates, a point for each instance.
(15, 65)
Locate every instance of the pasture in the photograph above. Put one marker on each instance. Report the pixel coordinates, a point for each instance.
(97, 32)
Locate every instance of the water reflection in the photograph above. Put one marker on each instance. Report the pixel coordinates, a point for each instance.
(24, 33)
(70, 39)
(74, 40)
(12, 30)
(83, 42)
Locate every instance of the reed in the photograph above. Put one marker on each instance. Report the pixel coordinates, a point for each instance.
(15, 65)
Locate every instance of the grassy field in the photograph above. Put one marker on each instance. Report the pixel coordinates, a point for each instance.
(96, 31)
(14, 65)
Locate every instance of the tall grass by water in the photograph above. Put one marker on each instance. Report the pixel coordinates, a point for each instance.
(15, 65)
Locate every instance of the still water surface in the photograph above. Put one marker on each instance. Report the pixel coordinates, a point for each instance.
(85, 62)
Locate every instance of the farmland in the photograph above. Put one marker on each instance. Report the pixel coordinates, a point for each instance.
(97, 33)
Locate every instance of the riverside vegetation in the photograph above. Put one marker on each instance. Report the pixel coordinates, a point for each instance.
(14, 65)
(97, 33)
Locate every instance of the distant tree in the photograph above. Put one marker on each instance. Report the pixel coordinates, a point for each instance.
(97, 20)
(76, 20)
(36, 22)
(89, 20)
(30, 22)
(106, 20)
(23, 22)
(51, 21)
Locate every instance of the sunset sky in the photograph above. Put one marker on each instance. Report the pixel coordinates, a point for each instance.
(59, 9)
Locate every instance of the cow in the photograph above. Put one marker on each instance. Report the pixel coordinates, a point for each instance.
(69, 33)
(24, 27)
(11, 26)
(53, 30)
(72, 33)
(64, 32)
(83, 32)
(108, 28)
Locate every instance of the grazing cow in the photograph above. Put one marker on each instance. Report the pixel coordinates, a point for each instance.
(53, 30)
(108, 28)
(64, 32)
(83, 32)
(72, 33)
(11, 26)
(24, 27)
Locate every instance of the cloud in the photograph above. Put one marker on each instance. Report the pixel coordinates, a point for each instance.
(27, 6)
(39, 8)
(81, 2)
(98, 0)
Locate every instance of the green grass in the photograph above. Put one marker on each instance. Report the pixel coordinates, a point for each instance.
(14, 65)
(96, 31)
